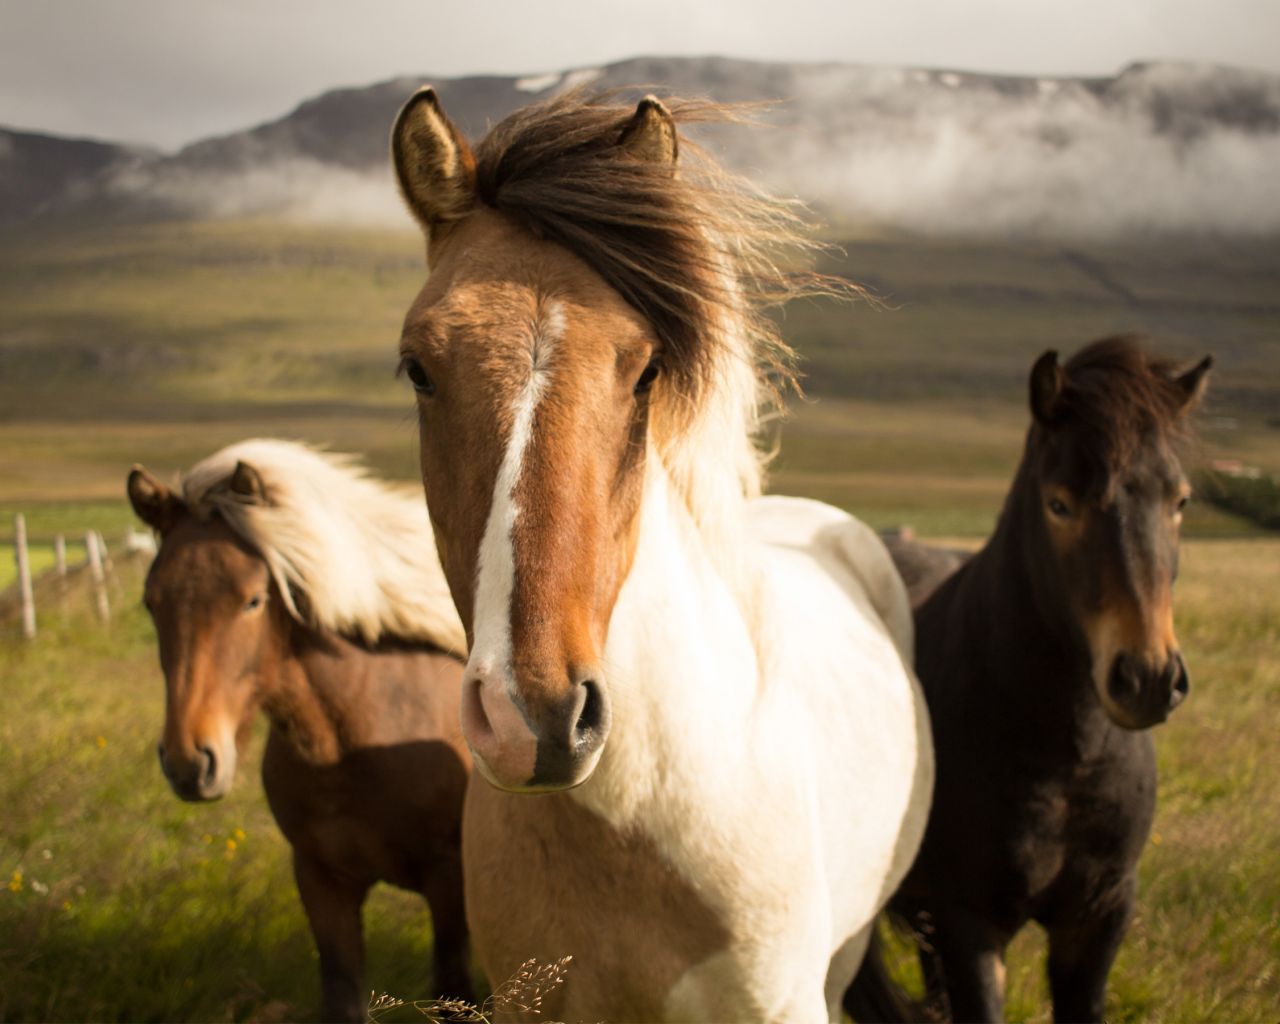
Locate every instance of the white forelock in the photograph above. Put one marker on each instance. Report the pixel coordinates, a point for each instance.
(360, 555)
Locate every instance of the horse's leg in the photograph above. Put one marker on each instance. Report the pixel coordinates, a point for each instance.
(451, 952)
(333, 908)
(1080, 959)
(972, 955)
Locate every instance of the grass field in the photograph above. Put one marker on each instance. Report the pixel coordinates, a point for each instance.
(126, 904)
(160, 343)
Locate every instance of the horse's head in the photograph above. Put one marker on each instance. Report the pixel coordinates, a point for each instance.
(1106, 484)
(209, 596)
(534, 380)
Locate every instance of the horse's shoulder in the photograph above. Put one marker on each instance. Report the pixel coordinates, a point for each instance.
(834, 536)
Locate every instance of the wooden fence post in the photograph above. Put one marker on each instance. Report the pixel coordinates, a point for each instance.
(24, 576)
(99, 577)
(60, 555)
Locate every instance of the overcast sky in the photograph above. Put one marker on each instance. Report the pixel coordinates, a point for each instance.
(167, 72)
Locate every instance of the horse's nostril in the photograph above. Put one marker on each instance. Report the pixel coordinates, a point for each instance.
(1181, 681)
(1122, 682)
(210, 772)
(592, 715)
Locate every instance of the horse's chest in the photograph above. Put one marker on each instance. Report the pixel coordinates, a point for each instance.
(381, 813)
(547, 878)
(1079, 833)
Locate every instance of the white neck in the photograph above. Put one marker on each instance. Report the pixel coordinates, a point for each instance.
(679, 654)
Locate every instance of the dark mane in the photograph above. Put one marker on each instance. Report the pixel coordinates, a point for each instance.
(1121, 394)
(683, 249)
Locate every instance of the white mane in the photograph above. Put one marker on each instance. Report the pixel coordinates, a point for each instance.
(361, 556)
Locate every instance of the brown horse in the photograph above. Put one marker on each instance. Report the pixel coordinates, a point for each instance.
(707, 761)
(288, 581)
(1045, 658)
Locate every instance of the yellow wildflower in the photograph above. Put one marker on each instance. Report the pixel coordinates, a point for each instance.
(102, 741)
(231, 844)
(208, 838)
(239, 834)
(16, 884)
(66, 905)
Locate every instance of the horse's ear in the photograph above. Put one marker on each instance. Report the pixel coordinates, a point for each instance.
(1047, 384)
(246, 483)
(650, 135)
(154, 503)
(434, 164)
(1192, 384)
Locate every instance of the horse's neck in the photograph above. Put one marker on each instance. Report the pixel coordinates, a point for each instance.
(327, 695)
(680, 653)
(1033, 655)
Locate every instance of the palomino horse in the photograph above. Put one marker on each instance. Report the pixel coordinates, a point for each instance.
(287, 580)
(708, 762)
(1044, 659)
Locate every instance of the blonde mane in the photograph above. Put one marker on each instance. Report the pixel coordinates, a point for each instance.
(358, 556)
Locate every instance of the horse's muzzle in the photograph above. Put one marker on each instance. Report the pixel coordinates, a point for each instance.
(1143, 695)
(199, 778)
(526, 747)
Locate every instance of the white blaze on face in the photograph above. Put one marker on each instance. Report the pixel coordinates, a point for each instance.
(495, 569)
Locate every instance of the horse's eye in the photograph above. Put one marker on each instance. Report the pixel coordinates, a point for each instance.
(412, 369)
(1182, 502)
(1058, 507)
(255, 603)
(649, 375)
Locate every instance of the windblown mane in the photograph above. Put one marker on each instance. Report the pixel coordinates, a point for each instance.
(1120, 395)
(348, 553)
(698, 252)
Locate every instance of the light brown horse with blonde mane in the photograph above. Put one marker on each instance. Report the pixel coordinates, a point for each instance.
(707, 763)
(287, 580)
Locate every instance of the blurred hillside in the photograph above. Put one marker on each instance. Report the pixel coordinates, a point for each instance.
(158, 343)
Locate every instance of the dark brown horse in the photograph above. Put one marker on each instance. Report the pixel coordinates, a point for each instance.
(278, 585)
(1044, 659)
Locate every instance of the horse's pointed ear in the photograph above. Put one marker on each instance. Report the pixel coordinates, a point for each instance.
(1047, 384)
(154, 503)
(1192, 384)
(246, 483)
(650, 135)
(434, 165)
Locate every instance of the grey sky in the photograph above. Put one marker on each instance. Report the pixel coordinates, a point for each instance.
(167, 72)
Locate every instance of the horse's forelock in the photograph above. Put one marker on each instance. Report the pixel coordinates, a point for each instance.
(1124, 395)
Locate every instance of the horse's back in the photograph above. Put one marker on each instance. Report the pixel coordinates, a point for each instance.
(924, 567)
(837, 541)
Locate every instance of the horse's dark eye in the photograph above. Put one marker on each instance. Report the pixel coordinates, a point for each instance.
(255, 603)
(1058, 507)
(1182, 502)
(412, 369)
(649, 375)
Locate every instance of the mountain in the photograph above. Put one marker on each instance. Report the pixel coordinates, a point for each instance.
(38, 172)
(1159, 147)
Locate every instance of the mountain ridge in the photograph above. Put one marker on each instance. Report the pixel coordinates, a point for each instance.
(1158, 147)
